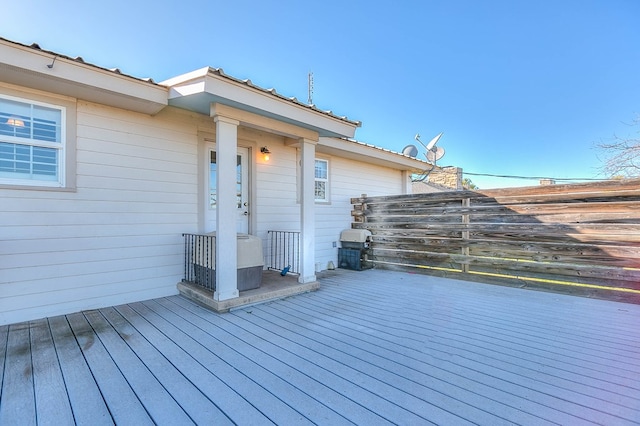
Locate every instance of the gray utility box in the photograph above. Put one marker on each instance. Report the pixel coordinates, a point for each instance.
(250, 264)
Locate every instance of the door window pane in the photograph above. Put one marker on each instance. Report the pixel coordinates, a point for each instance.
(212, 180)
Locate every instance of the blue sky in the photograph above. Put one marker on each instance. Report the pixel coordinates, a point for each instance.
(524, 88)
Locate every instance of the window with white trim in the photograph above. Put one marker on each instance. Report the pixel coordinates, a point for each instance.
(322, 181)
(32, 142)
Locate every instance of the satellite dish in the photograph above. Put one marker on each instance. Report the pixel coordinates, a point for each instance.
(433, 142)
(434, 154)
(410, 150)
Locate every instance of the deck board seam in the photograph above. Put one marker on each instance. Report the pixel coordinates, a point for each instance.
(198, 308)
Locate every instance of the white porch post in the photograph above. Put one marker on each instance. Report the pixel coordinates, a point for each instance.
(226, 241)
(407, 185)
(307, 211)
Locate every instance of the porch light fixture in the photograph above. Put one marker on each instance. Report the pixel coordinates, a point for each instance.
(265, 153)
(15, 122)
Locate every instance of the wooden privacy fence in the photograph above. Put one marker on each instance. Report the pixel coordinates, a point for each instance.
(582, 237)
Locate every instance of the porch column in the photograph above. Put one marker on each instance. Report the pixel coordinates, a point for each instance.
(226, 209)
(407, 185)
(307, 211)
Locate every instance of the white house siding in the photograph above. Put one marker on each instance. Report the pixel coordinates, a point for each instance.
(276, 188)
(277, 207)
(117, 238)
(348, 179)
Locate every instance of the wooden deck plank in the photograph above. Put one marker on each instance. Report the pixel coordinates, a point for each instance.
(52, 402)
(576, 371)
(18, 405)
(549, 328)
(228, 368)
(202, 371)
(437, 320)
(428, 366)
(84, 395)
(225, 400)
(419, 393)
(121, 400)
(578, 404)
(199, 408)
(369, 347)
(391, 403)
(337, 409)
(371, 361)
(547, 310)
(157, 402)
(241, 355)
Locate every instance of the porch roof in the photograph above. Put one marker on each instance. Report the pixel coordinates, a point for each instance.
(371, 347)
(197, 90)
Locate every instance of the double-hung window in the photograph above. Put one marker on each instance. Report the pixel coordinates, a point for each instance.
(322, 181)
(32, 143)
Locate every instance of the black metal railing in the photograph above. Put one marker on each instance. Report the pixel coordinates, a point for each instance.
(284, 251)
(200, 260)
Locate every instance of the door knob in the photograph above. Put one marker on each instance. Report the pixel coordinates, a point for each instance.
(246, 213)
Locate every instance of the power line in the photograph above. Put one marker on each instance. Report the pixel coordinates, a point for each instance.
(531, 177)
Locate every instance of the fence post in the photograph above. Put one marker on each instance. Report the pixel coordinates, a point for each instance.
(466, 203)
(359, 207)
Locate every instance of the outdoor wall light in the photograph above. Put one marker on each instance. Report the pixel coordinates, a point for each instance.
(265, 153)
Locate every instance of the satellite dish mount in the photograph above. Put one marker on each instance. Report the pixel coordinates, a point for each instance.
(433, 153)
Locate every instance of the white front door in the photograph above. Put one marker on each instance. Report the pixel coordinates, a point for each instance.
(242, 191)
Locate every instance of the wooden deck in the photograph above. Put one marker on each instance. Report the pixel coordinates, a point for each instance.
(371, 347)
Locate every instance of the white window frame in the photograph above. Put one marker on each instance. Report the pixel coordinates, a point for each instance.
(327, 193)
(60, 146)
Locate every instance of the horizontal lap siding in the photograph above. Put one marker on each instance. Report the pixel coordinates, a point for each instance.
(117, 238)
(346, 178)
(277, 206)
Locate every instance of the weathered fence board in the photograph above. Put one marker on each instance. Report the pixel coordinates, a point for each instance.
(582, 234)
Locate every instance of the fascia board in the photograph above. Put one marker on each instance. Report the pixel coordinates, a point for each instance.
(27, 67)
(274, 105)
(185, 79)
(370, 154)
(186, 89)
(239, 93)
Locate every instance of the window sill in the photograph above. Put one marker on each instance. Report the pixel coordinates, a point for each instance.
(36, 188)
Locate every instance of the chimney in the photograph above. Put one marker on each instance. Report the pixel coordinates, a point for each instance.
(451, 177)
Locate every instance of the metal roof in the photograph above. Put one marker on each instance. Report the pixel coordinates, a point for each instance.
(218, 71)
(79, 59)
(166, 85)
(272, 91)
